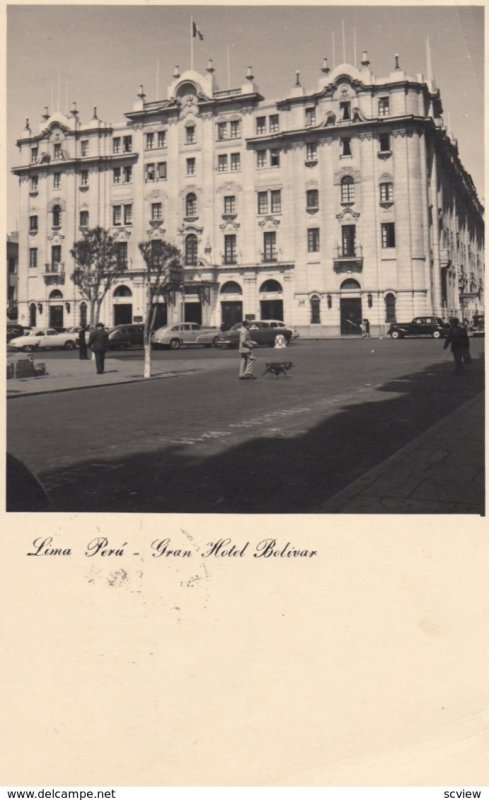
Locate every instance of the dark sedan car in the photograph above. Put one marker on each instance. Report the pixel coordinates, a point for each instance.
(433, 327)
(263, 332)
(123, 336)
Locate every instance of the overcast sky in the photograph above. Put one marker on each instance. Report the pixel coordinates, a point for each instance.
(98, 56)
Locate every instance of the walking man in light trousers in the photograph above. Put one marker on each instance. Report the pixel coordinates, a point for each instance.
(247, 359)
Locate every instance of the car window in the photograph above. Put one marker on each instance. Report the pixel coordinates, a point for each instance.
(39, 333)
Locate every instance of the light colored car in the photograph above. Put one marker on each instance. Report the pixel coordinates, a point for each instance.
(277, 323)
(43, 339)
(263, 332)
(185, 333)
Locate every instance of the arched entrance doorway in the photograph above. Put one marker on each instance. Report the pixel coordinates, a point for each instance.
(193, 305)
(231, 304)
(122, 308)
(55, 309)
(271, 300)
(350, 308)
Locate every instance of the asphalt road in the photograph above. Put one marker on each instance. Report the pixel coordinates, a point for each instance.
(206, 442)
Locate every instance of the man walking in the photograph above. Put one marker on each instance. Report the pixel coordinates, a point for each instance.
(97, 342)
(247, 359)
(460, 345)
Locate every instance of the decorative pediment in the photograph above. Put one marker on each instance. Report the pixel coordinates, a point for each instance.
(56, 238)
(269, 223)
(57, 201)
(121, 234)
(345, 172)
(229, 225)
(357, 115)
(153, 195)
(347, 213)
(230, 187)
(156, 231)
(187, 228)
(311, 184)
(330, 119)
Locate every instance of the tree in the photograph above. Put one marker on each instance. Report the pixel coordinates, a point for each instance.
(97, 267)
(164, 274)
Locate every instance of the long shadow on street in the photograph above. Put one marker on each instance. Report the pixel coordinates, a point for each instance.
(269, 474)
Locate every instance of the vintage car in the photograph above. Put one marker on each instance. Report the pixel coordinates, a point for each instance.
(434, 327)
(262, 332)
(44, 339)
(123, 336)
(184, 334)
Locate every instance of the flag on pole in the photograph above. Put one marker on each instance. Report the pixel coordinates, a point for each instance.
(196, 32)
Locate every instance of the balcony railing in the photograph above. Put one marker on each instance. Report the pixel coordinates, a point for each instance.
(269, 255)
(348, 258)
(54, 273)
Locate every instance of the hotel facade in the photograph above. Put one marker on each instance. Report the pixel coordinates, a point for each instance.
(321, 209)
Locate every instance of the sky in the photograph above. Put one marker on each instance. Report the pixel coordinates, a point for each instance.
(99, 55)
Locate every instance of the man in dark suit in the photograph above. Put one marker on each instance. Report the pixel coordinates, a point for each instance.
(460, 346)
(98, 342)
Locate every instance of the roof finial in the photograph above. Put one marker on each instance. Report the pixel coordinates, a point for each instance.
(176, 71)
(27, 126)
(46, 113)
(365, 62)
(95, 113)
(325, 67)
(74, 110)
(249, 74)
(397, 61)
(297, 78)
(210, 66)
(141, 94)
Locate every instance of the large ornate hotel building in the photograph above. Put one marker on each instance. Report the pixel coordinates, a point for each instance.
(321, 209)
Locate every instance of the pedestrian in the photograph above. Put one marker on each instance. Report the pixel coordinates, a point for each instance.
(97, 342)
(83, 342)
(365, 328)
(460, 345)
(247, 359)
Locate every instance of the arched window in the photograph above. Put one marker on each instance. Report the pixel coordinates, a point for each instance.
(56, 216)
(347, 190)
(122, 291)
(191, 205)
(56, 295)
(231, 287)
(270, 286)
(315, 310)
(390, 307)
(191, 250)
(350, 285)
(32, 315)
(83, 314)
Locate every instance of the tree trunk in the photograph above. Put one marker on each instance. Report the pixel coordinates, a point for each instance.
(147, 359)
(147, 330)
(92, 313)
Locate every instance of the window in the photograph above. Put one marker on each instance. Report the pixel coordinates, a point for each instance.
(56, 217)
(149, 172)
(275, 201)
(83, 219)
(57, 152)
(121, 254)
(348, 240)
(150, 141)
(221, 130)
(116, 175)
(388, 232)
(383, 106)
(312, 200)
(84, 147)
(230, 248)
(311, 152)
(235, 129)
(161, 171)
(116, 144)
(55, 256)
(274, 123)
(315, 310)
(117, 215)
(390, 307)
(384, 143)
(33, 257)
(127, 144)
(347, 190)
(32, 315)
(156, 212)
(56, 180)
(345, 143)
(261, 158)
(310, 116)
(345, 110)
(261, 125)
(190, 166)
(191, 205)
(262, 199)
(33, 224)
(190, 134)
(222, 163)
(230, 204)
(313, 240)
(269, 246)
(274, 158)
(34, 183)
(161, 138)
(34, 154)
(84, 177)
(191, 250)
(235, 162)
(386, 192)
(127, 174)
(128, 214)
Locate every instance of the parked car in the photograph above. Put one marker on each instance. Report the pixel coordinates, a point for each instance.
(277, 323)
(477, 327)
(420, 326)
(123, 336)
(44, 339)
(14, 330)
(185, 333)
(262, 332)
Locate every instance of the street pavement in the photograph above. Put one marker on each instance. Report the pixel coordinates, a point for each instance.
(357, 427)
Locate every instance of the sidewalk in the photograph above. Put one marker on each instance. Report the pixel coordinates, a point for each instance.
(440, 472)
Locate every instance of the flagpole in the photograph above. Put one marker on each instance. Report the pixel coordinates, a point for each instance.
(229, 68)
(191, 42)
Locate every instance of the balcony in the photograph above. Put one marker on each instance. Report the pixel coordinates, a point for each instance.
(54, 273)
(229, 259)
(348, 259)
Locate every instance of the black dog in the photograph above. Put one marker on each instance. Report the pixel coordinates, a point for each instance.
(278, 367)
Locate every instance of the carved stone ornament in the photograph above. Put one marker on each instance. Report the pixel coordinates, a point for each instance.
(229, 225)
(156, 232)
(345, 172)
(188, 106)
(402, 132)
(347, 213)
(121, 234)
(56, 238)
(185, 229)
(269, 223)
(230, 187)
(154, 195)
(366, 135)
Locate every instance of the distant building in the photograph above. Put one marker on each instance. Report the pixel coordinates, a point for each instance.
(12, 273)
(321, 209)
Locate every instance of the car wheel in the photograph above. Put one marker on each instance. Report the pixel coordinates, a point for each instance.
(395, 335)
(436, 334)
(175, 344)
(69, 345)
(28, 348)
